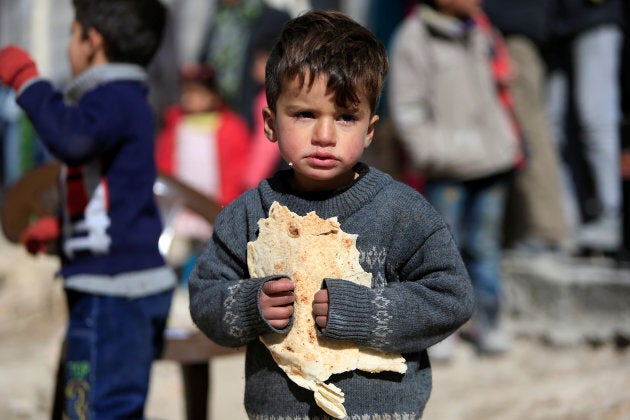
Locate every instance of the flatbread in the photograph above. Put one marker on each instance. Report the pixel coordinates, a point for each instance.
(309, 249)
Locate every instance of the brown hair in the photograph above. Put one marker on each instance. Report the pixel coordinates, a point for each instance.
(132, 30)
(202, 74)
(332, 44)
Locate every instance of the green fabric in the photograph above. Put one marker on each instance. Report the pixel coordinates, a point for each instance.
(27, 144)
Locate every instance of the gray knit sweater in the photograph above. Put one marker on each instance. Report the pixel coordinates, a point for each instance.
(420, 294)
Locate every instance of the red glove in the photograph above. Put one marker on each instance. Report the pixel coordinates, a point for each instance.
(16, 67)
(38, 235)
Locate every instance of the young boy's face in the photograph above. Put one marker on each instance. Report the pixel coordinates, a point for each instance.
(79, 50)
(321, 140)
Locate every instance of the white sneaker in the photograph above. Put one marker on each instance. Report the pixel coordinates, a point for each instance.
(494, 341)
(603, 234)
(444, 351)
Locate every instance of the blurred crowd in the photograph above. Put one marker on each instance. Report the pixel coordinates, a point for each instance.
(532, 100)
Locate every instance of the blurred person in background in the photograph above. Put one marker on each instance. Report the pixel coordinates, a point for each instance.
(117, 284)
(584, 102)
(205, 145)
(535, 220)
(228, 47)
(444, 104)
(264, 158)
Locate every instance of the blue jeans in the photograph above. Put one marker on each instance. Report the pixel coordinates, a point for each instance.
(111, 343)
(474, 212)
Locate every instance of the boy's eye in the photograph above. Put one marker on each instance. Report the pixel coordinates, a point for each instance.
(304, 114)
(348, 117)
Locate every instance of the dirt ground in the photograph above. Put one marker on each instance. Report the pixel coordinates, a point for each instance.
(533, 381)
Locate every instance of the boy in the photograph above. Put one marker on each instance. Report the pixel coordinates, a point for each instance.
(324, 79)
(117, 284)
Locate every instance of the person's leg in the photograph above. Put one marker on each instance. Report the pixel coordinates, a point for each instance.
(104, 378)
(80, 339)
(557, 107)
(597, 55)
(482, 254)
(537, 204)
(448, 198)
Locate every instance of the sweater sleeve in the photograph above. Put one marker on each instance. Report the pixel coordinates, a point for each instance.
(77, 134)
(224, 302)
(427, 296)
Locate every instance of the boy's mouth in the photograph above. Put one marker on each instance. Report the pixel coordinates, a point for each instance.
(321, 160)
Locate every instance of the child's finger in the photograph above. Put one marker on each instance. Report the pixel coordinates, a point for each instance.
(321, 296)
(282, 285)
(320, 309)
(279, 312)
(282, 299)
(321, 321)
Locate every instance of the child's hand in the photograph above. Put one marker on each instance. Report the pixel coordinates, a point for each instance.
(40, 234)
(276, 302)
(320, 308)
(16, 67)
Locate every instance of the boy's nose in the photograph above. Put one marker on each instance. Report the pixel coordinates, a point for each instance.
(324, 133)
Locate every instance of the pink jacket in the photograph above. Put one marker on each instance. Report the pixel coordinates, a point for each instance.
(264, 156)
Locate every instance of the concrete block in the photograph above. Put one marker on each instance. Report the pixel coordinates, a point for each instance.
(565, 300)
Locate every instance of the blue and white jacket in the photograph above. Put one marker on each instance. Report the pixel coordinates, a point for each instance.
(103, 131)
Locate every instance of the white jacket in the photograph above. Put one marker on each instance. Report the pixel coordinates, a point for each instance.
(443, 99)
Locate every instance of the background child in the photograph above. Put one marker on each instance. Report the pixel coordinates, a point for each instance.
(117, 284)
(443, 91)
(204, 144)
(324, 80)
(264, 158)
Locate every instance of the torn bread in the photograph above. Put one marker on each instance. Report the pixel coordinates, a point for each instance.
(309, 249)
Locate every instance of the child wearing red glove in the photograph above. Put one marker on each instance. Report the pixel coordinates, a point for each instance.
(118, 286)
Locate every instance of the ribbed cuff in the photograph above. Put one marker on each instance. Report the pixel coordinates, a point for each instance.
(248, 305)
(350, 311)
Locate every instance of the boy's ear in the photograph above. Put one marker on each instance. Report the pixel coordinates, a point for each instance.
(95, 39)
(369, 135)
(269, 118)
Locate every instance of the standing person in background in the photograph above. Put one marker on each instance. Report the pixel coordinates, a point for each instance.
(204, 144)
(228, 47)
(535, 219)
(444, 105)
(163, 76)
(264, 158)
(584, 61)
(117, 284)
